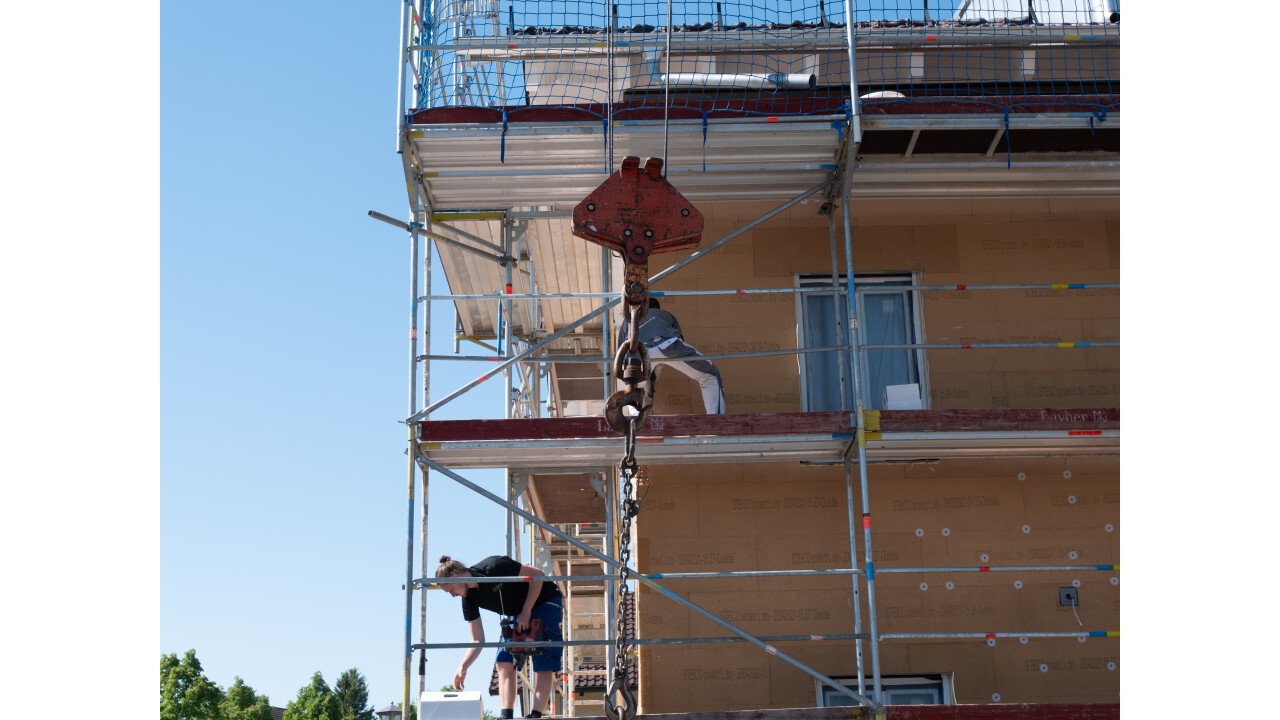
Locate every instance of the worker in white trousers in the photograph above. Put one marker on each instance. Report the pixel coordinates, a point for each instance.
(660, 333)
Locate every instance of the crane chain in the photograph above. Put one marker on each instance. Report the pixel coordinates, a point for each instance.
(619, 687)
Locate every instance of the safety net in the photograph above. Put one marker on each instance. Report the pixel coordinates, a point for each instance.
(768, 57)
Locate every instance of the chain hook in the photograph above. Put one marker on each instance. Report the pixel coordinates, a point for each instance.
(619, 687)
(631, 365)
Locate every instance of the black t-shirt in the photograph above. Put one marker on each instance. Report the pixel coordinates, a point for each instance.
(506, 598)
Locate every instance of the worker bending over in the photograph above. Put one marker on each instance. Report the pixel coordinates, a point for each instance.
(520, 600)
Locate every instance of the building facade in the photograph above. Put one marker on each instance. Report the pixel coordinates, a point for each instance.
(915, 491)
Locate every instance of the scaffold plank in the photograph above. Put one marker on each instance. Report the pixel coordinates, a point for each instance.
(1004, 711)
(776, 424)
(813, 437)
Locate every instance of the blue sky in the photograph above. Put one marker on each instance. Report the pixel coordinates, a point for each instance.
(284, 326)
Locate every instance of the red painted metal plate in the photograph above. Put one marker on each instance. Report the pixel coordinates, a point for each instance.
(638, 213)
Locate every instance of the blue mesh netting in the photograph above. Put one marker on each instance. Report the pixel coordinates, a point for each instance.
(770, 56)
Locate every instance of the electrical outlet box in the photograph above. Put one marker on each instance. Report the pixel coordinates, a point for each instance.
(1068, 596)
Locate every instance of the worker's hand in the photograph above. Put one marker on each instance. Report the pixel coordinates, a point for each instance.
(460, 678)
(522, 621)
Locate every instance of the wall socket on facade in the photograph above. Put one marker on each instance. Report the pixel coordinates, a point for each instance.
(1068, 596)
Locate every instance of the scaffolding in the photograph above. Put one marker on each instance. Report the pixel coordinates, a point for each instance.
(485, 207)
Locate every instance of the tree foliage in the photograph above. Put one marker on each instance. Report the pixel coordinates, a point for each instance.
(243, 703)
(185, 693)
(315, 701)
(352, 693)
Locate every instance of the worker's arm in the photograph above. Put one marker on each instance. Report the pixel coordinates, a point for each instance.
(535, 588)
(477, 635)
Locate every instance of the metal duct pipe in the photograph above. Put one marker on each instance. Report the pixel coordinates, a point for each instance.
(761, 81)
(757, 81)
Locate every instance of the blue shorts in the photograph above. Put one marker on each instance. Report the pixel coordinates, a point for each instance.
(550, 658)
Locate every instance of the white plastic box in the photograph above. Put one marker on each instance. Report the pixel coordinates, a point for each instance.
(465, 705)
(902, 397)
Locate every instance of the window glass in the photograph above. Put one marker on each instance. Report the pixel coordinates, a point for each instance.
(885, 319)
(915, 690)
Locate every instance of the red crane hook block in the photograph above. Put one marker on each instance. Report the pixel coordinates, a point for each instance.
(638, 213)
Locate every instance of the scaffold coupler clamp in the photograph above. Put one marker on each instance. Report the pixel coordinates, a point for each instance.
(636, 213)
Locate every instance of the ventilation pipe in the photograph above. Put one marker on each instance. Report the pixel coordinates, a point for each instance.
(755, 81)
(751, 81)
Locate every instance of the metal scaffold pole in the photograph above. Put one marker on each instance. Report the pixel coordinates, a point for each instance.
(1054, 287)
(848, 471)
(425, 271)
(417, 249)
(857, 595)
(412, 469)
(861, 424)
(835, 311)
(505, 349)
(850, 154)
(403, 55)
(726, 640)
(855, 123)
(426, 581)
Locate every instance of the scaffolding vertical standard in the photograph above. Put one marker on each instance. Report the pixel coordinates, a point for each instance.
(413, 398)
(860, 422)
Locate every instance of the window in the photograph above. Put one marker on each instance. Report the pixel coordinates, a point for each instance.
(899, 690)
(885, 318)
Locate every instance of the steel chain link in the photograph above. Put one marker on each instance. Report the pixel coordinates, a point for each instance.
(619, 686)
(631, 366)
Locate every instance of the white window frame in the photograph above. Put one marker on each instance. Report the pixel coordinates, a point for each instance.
(862, 280)
(943, 682)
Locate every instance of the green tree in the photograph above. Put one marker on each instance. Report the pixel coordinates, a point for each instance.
(315, 702)
(352, 693)
(185, 693)
(243, 703)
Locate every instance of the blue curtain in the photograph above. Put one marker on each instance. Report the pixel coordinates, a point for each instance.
(823, 370)
(886, 319)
